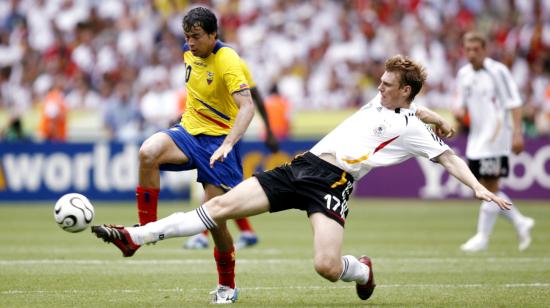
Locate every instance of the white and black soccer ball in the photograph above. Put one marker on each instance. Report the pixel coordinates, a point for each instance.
(73, 212)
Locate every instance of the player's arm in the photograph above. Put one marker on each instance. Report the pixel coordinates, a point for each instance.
(271, 141)
(458, 168)
(442, 127)
(513, 103)
(243, 99)
(517, 135)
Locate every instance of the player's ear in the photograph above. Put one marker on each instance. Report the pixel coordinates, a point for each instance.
(406, 90)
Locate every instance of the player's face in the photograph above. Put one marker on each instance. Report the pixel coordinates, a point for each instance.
(475, 53)
(200, 43)
(393, 96)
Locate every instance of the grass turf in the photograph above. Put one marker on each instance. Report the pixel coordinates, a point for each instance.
(413, 245)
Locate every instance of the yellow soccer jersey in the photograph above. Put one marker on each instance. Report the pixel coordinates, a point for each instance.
(247, 75)
(211, 81)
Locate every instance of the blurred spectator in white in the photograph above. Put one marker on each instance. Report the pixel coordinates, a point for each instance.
(39, 19)
(10, 52)
(121, 115)
(70, 14)
(159, 104)
(322, 54)
(83, 54)
(82, 95)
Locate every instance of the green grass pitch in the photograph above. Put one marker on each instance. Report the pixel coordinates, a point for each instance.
(414, 246)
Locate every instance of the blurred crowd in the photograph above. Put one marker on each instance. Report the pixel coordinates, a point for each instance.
(122, 58)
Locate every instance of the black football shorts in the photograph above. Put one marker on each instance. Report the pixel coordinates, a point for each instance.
(310, 184)
(493, 167)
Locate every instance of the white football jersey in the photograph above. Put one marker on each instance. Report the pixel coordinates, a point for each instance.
(488, 94)
(376, 136)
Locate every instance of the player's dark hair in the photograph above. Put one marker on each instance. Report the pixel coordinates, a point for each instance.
(200, 17)
(411, 73)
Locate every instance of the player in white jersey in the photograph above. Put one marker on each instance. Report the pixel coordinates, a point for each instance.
(384, 132)
(488, 92)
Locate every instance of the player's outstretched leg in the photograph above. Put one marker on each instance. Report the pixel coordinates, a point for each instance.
(117, 235)
(364, 291)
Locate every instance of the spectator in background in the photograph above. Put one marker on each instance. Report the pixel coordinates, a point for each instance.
(159, 105)
(278, 114)
(488, 93)
(53, 114)
(82, 95)
(121, 115)
(338, 42)
(14, 131)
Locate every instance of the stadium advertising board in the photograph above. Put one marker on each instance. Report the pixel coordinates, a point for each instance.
(108, 171)
(529, 176)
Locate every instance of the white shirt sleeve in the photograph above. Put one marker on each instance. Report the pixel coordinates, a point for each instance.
(422, 141)
(512, 99)
(460, 91)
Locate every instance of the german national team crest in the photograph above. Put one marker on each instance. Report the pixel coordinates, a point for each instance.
(379, 130)
(210, 77)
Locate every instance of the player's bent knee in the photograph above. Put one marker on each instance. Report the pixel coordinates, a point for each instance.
(328, 269)
(217, 208)
(147, 153)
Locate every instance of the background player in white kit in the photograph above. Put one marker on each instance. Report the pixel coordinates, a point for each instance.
(487, 91)
(384, 132)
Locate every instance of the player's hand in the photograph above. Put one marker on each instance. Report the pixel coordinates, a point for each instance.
(271, 143)
(220, 154)
(483, 194)
(444, 130)
(517, 143)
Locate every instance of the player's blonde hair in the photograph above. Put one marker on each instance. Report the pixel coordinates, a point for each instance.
(411, 73)
(474, 36)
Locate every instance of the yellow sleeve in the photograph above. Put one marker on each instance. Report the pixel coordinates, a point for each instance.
(248, 75)
(230, 66)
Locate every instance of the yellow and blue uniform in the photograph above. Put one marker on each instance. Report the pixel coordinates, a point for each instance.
(210, 114)
(211, 82)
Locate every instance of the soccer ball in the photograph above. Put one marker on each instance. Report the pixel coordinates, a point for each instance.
(73, 212)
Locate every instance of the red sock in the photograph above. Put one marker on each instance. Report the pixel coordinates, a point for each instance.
(205, 232)
(147, 204)
(225, 263)
(244, 225)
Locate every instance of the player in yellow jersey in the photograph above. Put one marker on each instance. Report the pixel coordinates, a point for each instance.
(247, 237)
(219, 109)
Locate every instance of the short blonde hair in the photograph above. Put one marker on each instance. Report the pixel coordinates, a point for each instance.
(474, 36)
(411, 73)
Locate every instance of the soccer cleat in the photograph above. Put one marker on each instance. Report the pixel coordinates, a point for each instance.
(224, 295)
(117, 235)
(199, 241)
(524, 233)
(246, 239)
(475, 244)
(364, 291)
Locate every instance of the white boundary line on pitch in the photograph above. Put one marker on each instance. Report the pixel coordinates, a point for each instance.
(180, 290)
(264, 261)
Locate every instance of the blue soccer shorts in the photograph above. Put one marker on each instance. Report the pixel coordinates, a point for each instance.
(199, 149)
